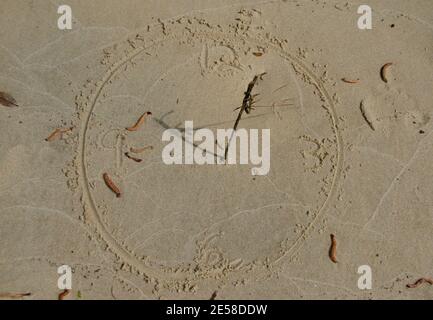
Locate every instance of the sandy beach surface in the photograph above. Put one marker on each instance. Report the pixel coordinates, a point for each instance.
(350, 149)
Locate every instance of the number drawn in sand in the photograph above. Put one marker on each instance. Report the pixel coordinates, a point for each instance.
(221, 60)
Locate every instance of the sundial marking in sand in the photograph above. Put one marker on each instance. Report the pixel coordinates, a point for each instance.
(191, 217)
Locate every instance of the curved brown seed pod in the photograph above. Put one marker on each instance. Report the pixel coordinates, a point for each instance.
(333, 249)
(420, 282)
(57, 133)
(63, 294)
(140, 150)
(350, 81)
(139, 122)
(7, 100)
(383, 71)
(110, 184)
(132, 158)
(53, 135)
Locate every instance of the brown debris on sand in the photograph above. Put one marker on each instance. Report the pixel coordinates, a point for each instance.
(139, 122)
(63, 294)
(110, 184)
(333, 249)
(7, 100)
(420, 282)
(57, 133)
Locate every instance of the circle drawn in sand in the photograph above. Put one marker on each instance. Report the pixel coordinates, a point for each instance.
(177, 222)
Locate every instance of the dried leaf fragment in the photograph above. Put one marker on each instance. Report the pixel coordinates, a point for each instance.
(7, 100)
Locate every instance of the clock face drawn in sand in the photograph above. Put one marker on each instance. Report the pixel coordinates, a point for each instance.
(198, 221)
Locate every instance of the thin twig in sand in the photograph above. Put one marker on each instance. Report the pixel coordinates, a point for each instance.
(246, 106)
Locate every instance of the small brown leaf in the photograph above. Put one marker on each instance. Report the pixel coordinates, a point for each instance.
(7, 100)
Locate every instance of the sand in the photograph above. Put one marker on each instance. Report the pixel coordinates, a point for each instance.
(348, 159)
